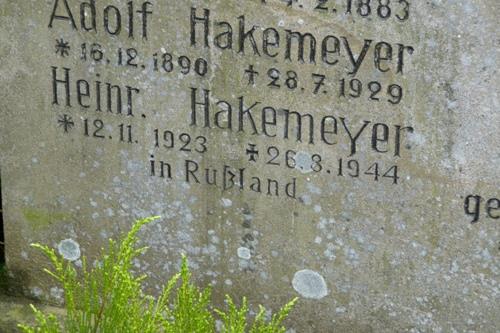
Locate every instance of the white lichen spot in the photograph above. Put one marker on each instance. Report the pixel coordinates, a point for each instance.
(57, 293)
(417, 139)
(340, 310)
(244, 253)
(325, 223)
(219, 326)
(313, 188)
(210, 249)
(226, 203)
(303, 162)
(310, 284)
(248, 217)
(214, 239)
(36, 292)
(330, 251)
(306, 199)
(352, 256)
(69, 249)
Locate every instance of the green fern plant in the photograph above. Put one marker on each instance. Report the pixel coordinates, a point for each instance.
(108, 298)
(235, 320)
(190, 309)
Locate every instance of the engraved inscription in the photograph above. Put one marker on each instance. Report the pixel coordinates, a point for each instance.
(274, 136)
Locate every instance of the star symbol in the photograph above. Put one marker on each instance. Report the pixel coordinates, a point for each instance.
(66, 122)
(62, 47)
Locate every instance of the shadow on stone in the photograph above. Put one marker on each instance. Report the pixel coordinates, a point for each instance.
(12, 283)
(2, 235)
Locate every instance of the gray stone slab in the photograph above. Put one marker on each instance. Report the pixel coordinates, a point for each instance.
(348, 156)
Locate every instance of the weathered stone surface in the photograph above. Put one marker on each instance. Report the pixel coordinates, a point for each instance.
(16, 310)
(373, 231)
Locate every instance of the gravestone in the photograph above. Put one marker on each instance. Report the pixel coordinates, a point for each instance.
(345, 152)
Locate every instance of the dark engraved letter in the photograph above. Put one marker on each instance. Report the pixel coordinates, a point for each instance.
(298, 129)
(256, 185)
(84, 15)
(326, 51)
(98, 93)
(153, 167)
(473, 206)
(162, 170)
(401, 53)
(224, 39)
(130, 9)
(376, 138)
(356, 137)
(268, 122)
(270, 184)
(301, 38)
(244, 35)
(225, 115)
(356, 63)
(270, 38)
(191, 168)
(247, 111)
(65, 81)
(69, 16)
(493, 205)
(118, 19)
(118, 91)
(211, 180)
(324, 132)
(399, 129)
(130, 103)
(205, 104)
(291, 188)
(230, 180)
(144, 13)
(82, 90)
(380, 48)
(204, 20)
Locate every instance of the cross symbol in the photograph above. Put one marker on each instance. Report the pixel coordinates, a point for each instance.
(252, 152)
(252, 73)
